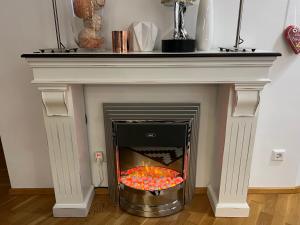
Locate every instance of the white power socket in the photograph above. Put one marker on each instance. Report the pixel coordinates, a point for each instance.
(278, 154)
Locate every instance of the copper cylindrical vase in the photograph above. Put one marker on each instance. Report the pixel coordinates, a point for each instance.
(120, 41)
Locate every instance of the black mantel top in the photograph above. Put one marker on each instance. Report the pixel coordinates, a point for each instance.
(84, 54)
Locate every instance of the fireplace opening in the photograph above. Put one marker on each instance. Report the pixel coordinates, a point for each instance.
(151, 155)
(152, 159)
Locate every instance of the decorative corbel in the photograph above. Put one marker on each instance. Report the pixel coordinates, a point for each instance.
(55, 100)
(246, 99)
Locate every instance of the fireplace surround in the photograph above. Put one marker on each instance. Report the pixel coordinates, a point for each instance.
(239, 78)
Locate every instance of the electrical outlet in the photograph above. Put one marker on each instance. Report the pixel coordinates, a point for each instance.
(278, 154)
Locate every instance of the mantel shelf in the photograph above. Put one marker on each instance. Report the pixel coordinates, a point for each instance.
(151, 68)
(155, 54)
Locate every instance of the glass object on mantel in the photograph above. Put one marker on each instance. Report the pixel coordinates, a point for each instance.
(87, 23)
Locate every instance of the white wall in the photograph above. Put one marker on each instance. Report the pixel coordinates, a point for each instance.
(27, 25)
(298, 178)
(278, 124)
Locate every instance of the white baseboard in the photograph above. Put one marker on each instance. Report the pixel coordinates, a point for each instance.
(227, 209)
(75, 210)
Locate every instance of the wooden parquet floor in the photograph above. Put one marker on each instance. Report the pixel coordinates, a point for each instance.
(266, 209)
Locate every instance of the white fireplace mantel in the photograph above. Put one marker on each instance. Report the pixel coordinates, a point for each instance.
(60, 78)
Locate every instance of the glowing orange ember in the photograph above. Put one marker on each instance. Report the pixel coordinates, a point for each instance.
(150, 178)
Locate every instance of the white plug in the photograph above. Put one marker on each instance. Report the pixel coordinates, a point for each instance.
(99, 156)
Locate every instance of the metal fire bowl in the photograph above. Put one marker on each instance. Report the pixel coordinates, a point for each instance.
(152, 203)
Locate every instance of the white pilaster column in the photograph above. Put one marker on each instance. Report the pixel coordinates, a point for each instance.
(64, 114)
(236, 125)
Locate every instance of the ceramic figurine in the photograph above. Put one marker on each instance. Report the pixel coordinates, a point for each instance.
(98, 4)
(142, 36)
(94, 22)
(88, 28)
(89, 39)
(83, 8)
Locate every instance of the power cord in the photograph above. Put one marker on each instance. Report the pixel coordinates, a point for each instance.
(99, 161)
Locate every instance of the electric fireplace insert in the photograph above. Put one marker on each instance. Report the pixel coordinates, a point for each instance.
(154, 161)
(151, 161)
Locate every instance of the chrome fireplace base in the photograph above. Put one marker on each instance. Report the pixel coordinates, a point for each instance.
(152, 203)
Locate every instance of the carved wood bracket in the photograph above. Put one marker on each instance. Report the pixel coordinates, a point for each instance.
(55, 100)
(246, 100)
